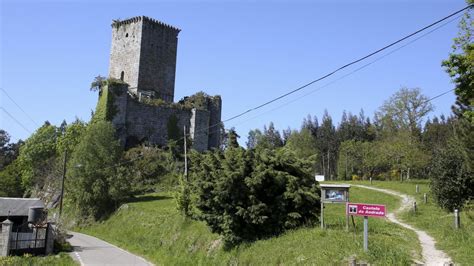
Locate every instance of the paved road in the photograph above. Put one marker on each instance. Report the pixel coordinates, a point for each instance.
(89, 250)
(431, 255)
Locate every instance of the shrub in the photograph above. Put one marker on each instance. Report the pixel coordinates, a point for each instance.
(248, 195)
(452, 178)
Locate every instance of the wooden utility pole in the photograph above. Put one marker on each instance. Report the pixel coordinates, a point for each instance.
(62, 183)
(185, 156)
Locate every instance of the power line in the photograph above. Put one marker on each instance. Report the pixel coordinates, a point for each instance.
(439, 95)
(353, 72)
(14, 119)
(347, 65)
(206, 131)
(19, 107)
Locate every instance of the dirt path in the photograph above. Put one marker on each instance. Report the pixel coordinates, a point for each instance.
(431, 255)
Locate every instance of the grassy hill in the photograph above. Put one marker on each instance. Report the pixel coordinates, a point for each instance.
(151, 226)
(458, 244)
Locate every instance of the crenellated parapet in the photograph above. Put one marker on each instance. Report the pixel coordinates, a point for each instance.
(145, 19)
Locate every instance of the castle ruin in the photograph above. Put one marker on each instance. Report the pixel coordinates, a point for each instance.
(142, 109)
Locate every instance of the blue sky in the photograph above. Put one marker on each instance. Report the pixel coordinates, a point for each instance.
(246, 51)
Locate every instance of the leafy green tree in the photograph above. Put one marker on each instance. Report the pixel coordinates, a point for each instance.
(231, 139)
(405, 110)
(150, 167)
(452, 179)
(10, 181)
(37, 156)
(460, 65)
(8, 151)
(452, 168)
(271, 138)
(71, 135)
(403, 153)
(350, 159)
(437, 132)
(95, 186)
(328, 146)
(98, 83)
(303, 144)
(253, 137)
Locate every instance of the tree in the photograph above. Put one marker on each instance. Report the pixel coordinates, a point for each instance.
(271, 138)
(303, 144)
(8, 151)
(405, 110)
(70, 136)
(460, 65)
(10, 181)
(98, 83)
(452, 180)
(37, 156)
(95, 186)
(231, 139)
(148, 167)
(327, 146)
(253, 138)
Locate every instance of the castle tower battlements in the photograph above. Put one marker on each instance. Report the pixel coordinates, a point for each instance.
(143, 55)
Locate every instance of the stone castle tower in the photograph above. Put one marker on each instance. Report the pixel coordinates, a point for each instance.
(143, 57)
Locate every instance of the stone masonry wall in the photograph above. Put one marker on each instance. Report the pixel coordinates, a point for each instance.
(151, 123)
(125, 52)
(137, 122)
(158, 59)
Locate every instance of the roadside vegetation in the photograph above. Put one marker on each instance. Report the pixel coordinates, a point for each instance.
(152, 227)
(62, 259)
(439, 223)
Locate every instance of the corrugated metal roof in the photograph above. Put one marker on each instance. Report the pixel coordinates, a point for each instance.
(18, 206)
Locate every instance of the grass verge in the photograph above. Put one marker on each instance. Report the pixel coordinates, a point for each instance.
(151, 227)
(458, 244)
(61, 259)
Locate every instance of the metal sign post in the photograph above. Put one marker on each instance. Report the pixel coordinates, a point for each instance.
(366, 233)
(366, 210)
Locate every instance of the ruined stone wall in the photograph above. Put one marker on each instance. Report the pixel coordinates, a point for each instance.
(147, 123)
(158, 59)
(199, 129)
(215, 109)
(125, 51)
(138, 122)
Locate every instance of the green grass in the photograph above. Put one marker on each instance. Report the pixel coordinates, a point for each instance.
(152, 227)
(458, 244)
(61, 259)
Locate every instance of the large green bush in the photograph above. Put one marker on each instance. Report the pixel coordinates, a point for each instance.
(248, 195)
(452, 178)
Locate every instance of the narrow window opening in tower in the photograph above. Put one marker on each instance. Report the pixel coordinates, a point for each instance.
(122, 75)
(126, 35)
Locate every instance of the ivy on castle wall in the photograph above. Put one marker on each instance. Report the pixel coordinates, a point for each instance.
(106, 109)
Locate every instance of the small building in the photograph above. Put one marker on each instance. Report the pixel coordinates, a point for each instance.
(24, 227)
(16, 210)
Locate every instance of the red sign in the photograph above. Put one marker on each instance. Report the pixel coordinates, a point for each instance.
(362, 209)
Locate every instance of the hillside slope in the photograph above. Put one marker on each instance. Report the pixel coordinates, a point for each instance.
(151, 227)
